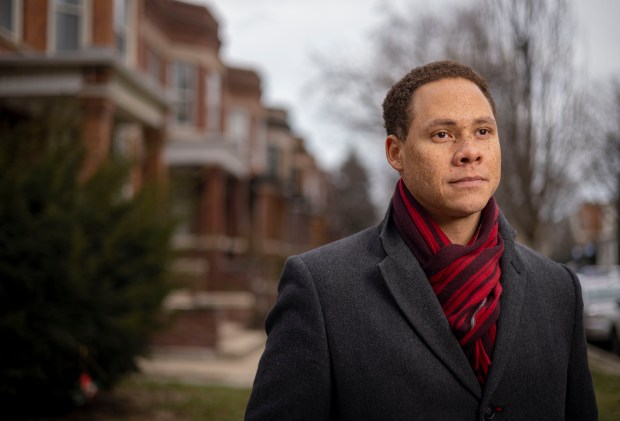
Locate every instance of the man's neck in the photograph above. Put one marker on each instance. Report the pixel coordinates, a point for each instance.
(461, 230)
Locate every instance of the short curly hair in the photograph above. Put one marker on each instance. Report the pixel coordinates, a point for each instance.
(397, 105)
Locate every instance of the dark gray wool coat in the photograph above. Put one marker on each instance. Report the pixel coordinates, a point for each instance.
(357, 333)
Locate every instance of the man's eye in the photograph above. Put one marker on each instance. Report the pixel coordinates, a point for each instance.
(442, 135)
(484, 132)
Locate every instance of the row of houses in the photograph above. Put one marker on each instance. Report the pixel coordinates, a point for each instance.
(148, 81)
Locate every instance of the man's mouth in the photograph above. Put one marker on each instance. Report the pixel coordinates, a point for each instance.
(468, 181)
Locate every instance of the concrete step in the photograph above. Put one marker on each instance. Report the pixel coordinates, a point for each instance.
(237, 342)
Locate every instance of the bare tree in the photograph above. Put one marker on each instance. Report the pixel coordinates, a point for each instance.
(524, 49)
(614, 148)
(542, 112)
(350, 207)
(608, 169)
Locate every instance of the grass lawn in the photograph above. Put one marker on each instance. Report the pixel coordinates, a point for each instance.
(607, 388)
(140, 399)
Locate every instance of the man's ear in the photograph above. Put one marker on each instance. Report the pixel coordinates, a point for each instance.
(393, 152)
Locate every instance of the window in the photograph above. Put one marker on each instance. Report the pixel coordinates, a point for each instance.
(213, 101)
(153, 66)
(231, 208)
(68, 21)
(187, 187)
(6, 15)
(273, 161)
(238, 126)
(120, 26)
(296, 180)
(184, 87)
(10, 16)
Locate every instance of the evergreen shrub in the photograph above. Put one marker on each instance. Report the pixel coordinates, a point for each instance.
(83, 270)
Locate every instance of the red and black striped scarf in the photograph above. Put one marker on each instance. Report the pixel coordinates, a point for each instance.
(464, 278)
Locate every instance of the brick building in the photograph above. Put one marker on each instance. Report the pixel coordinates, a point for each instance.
(595, 229)
(147, 79)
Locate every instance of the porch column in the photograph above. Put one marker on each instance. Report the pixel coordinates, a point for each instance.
(213, 202)
(97, 121)
(153, 168)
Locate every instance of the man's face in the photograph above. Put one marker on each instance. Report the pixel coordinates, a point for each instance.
(450, 161)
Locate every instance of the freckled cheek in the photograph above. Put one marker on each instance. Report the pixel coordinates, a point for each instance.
(496, 161)
(425, 178)
(424, 168)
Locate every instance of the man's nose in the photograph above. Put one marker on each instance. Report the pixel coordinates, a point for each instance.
(468, 151)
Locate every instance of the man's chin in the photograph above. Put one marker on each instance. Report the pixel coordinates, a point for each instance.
(464, 212)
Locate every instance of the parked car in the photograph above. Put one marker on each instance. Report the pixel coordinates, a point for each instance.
(601, 298)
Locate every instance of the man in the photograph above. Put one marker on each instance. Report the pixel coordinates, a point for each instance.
(437, 313)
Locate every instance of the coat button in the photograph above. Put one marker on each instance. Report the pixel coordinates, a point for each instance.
(489, 413)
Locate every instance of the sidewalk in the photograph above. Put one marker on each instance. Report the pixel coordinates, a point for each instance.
(208, 368)
(604, 361)
(226, 369)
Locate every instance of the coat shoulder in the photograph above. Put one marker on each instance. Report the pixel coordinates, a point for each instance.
(546, 274)
(341, 262)
(535, 261)
(347, 250)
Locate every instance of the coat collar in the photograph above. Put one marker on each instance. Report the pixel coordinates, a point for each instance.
(414, 295)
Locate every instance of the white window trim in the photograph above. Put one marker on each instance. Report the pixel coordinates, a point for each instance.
(213, 101)
(86, 28)
(127, 31)
(131, 52)
(153, 56)
(17, 20)
(123, 32)
(240, 139)
(173, 86)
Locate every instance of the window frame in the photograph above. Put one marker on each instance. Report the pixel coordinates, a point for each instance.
(273, 159)
(84, 13)
(120, 29)
(154, 65)
(186, 95)
(15, 32)
(236, 133)
(213, 101)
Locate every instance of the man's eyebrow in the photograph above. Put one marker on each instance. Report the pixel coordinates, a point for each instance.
(448, 122)
(484, 120)
(440, 122)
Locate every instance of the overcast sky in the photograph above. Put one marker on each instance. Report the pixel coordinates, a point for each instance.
(278, 38)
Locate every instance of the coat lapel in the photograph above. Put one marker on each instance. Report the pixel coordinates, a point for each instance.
(408, 284)
(511, 302)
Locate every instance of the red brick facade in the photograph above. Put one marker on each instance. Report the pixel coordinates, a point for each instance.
(248, 191)
(103, 25)
(35, 24)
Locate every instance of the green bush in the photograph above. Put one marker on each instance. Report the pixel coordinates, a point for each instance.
(83, 270)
